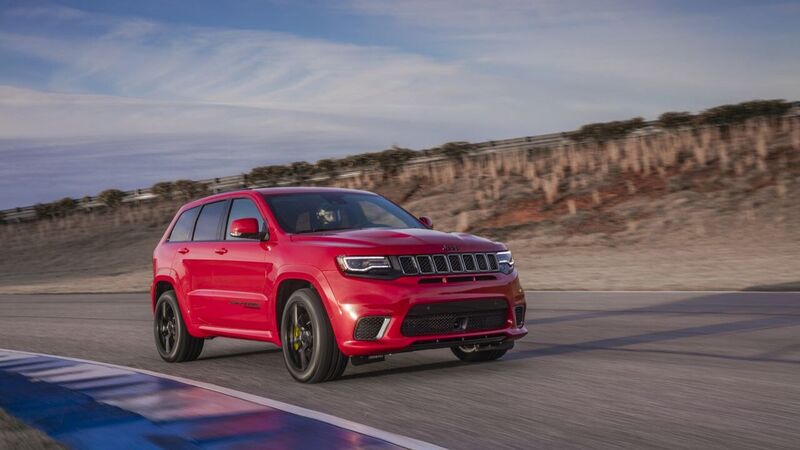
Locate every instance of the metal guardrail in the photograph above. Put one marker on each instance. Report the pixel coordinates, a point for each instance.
(234, 182)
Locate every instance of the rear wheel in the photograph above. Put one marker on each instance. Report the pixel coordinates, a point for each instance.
(309, 347)
(474, 353)
(173, 341)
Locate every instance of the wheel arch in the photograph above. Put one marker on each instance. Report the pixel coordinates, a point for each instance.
(160, 285)
(294, 278)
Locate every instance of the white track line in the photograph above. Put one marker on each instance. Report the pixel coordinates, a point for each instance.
(392, 438)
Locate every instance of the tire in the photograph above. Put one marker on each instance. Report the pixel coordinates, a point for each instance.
(472, 354)
(173, 341)
(309, 347)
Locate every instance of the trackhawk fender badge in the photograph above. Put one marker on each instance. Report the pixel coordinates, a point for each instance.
(250, 305)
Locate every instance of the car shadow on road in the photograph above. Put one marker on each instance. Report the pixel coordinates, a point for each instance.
(770, 312)
(792, 286)
(754, 303)
(621, 343)
(765, 311)
(406, 369)
(241, 354)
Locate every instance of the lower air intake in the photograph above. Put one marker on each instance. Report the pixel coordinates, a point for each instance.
(455, 317)
(368, 328)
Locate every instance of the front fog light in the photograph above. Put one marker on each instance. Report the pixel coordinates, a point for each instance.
(371, 328)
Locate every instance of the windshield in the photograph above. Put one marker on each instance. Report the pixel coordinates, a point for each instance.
(328, 211)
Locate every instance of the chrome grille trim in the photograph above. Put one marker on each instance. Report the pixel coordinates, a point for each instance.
(450, 263)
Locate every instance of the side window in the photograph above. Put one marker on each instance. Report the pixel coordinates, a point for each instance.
(182, 231)
(208, 222)
(240, 209)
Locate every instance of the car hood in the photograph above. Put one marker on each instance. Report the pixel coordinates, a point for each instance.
(400, 241)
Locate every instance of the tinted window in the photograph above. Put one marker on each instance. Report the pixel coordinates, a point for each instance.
(240, 209)
(208, 222)
(378, 216)
(326, 211)
(182, 231)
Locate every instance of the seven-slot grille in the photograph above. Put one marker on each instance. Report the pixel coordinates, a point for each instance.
(450, 263)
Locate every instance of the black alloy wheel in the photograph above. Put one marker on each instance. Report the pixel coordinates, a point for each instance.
(173, 341)
(167, 325)
(310, 350)
(301, 337)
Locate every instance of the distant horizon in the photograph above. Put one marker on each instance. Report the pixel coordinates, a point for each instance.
(124, 95)
(339, 156)
(128, 189)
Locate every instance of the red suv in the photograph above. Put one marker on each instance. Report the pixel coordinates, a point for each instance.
(330, 276)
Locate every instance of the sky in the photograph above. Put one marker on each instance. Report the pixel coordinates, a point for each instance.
(122, 94)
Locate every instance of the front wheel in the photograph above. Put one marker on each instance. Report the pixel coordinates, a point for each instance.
(173, 341)
(309, 347)
(474, 353)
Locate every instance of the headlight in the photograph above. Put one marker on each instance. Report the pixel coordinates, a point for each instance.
(361, 264)
(506, 261)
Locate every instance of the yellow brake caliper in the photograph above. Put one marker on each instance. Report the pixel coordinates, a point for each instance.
(296, 335)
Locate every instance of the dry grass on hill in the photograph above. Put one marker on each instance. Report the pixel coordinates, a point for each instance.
(710, 208)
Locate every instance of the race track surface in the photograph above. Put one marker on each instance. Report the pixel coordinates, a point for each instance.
(600, 370)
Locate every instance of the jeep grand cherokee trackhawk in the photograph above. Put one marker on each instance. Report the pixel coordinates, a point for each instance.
(329, 275)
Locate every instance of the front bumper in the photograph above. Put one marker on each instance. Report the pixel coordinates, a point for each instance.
(358, 297)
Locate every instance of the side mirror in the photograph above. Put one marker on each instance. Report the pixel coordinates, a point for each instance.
(245, 228)
(425, 220)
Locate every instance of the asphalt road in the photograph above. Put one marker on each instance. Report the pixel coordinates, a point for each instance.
(598, 370)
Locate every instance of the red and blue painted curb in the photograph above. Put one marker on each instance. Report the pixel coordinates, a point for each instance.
(91, 405)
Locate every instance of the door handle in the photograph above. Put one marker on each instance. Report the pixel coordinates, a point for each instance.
(221, 251)
(183, 251)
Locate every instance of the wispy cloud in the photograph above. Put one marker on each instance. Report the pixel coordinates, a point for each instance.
(166, 100)
(494, 16)
(708, 49)
(156, 63)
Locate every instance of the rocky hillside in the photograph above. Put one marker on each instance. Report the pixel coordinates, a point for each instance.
(689, 207)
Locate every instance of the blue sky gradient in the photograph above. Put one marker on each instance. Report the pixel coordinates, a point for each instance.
(124, 94)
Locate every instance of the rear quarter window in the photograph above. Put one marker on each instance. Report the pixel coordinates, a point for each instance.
(207, 228)
(182, 231)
